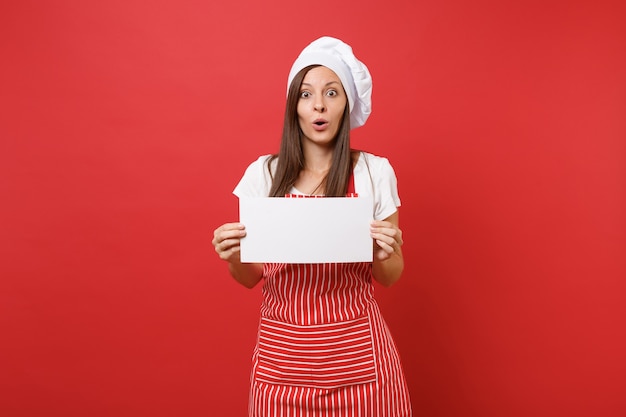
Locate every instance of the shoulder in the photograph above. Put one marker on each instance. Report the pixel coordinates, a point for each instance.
(259, 167)
(257, 178)
(260, 163)
(376, 163)
(373, 158)
(375, 176)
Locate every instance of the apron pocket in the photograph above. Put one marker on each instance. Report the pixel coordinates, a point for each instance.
(318, 356)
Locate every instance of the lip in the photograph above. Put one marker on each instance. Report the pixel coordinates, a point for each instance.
(320, 124)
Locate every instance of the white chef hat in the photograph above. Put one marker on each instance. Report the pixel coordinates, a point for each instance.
(354, 75)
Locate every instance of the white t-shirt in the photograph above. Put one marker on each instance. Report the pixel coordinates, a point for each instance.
(373, 176)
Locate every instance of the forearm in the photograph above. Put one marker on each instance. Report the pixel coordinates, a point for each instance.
(388, 261)
(226, 240)
(388, 271)
(246, 274)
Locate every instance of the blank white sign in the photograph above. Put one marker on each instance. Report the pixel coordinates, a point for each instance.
(306, 230)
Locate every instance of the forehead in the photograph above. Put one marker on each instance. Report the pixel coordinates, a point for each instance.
(320, 74)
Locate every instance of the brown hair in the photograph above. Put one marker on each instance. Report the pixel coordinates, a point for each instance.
(290, 157)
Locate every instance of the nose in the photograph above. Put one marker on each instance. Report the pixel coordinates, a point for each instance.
(319, 105)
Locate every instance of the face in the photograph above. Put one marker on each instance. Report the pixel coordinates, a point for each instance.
(321, 105)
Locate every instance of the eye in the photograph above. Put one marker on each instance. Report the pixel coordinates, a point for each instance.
(305, 94)
(332, 93)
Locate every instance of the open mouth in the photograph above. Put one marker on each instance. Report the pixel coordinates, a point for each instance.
(320, 125)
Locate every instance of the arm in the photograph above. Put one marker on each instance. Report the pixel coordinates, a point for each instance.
(226, 240)
(388, 261)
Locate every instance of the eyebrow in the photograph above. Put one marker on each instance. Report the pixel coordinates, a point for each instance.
(327, 84)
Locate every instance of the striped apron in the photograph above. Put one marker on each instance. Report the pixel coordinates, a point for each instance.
(323, 348)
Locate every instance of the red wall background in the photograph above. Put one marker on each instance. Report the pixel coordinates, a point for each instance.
(125, 125)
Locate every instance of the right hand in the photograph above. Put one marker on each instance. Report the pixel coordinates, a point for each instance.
(226, 240)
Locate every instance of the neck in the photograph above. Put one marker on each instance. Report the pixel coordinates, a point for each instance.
(318, 163)
(318, 160)
(318, 170)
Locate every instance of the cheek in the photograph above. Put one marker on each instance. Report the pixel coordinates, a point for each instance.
(340, 110)
(342, 102)
(300, 111)
(301, 119)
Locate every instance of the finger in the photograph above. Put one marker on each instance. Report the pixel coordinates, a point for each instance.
(384, 251)
(227, 248)
(234, 225)
(382, 238)
(383, 227)
(226, 240)
(393, 232)
(385, 243)
(227, 244)
(382, 255)
(222, 235)
(381, 223)
(399, 239)
(228, 227)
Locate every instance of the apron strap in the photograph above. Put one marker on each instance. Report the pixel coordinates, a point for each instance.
(351, 188)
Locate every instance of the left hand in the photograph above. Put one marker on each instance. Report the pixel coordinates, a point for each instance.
(387, 239)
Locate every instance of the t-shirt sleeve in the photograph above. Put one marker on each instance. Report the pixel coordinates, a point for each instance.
(256, 180)
(386, 198)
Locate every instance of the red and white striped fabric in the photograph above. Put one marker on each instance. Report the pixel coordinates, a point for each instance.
(320, 356)
(324, 349)
(315, 196)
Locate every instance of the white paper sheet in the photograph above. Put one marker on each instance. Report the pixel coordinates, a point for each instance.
(306, 230)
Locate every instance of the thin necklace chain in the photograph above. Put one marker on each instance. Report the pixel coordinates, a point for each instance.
(318, 186)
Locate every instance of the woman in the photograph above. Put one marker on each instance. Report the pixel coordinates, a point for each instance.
(323, 347)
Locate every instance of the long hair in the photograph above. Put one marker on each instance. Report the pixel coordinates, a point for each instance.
(290, 157)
